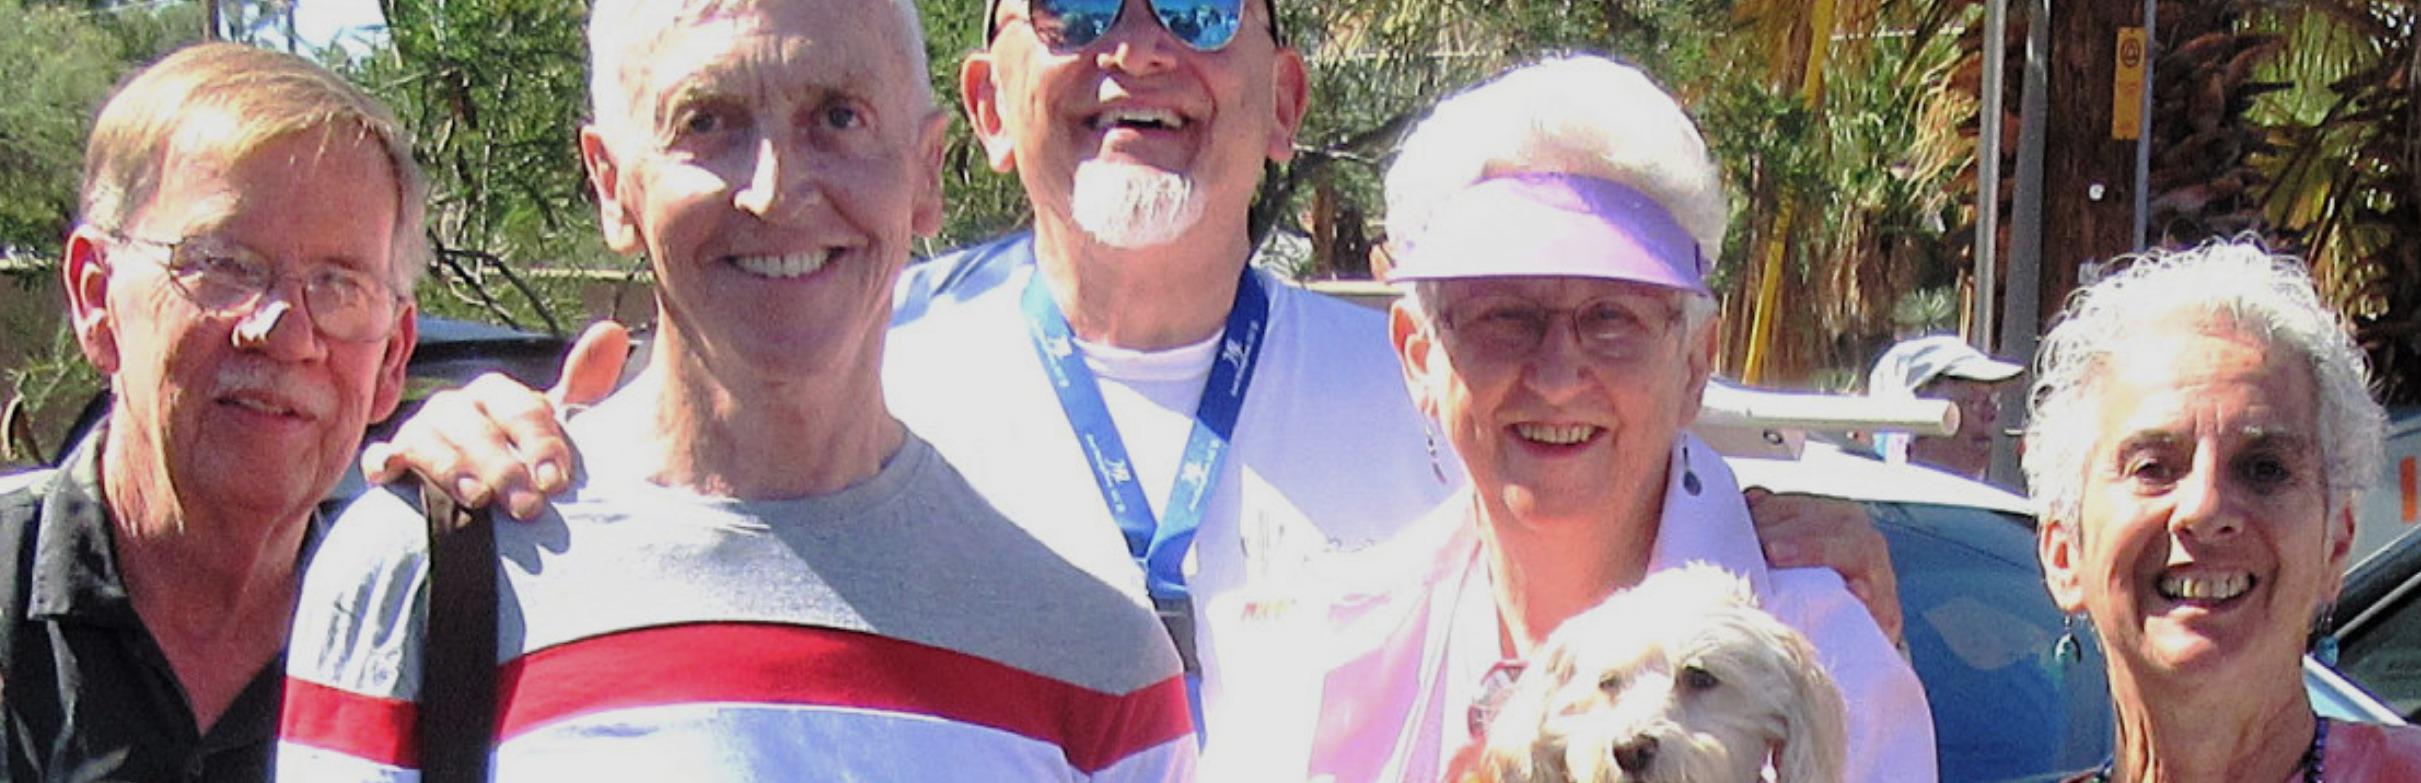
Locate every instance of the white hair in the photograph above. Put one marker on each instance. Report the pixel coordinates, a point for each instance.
(2238, 285)
(619, 29)
(1580, 115)
(234, 99)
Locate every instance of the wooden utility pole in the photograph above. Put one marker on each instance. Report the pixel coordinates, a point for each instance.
(2088, 173)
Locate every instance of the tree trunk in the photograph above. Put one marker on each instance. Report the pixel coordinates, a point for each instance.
(2088, 177)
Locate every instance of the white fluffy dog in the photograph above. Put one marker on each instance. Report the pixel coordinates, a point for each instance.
(1681, 679)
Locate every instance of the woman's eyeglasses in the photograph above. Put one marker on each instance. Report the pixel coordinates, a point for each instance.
(1512, 327)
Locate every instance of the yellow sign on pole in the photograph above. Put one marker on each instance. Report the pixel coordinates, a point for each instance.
(2127, 85)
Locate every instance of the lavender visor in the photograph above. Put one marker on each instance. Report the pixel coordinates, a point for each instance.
(1554, 225)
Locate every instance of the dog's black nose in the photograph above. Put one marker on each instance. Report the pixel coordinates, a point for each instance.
(1635, 756)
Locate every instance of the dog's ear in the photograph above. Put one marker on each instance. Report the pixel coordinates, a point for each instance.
(1815, 735)
(1519, 748)
(1509, 751)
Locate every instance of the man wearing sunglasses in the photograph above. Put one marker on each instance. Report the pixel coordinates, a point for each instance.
(251, 225)
(1123, 367)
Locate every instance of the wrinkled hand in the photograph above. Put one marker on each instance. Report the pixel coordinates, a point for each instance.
(1810, 531)
(497, 438)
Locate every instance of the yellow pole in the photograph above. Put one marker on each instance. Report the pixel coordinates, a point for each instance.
(1777, 237)
(1819, 44)
(1769, 294)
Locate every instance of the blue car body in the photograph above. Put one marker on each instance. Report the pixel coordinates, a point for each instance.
(1981, 631)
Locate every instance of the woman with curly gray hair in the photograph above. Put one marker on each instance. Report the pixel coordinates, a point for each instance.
(2201, 429)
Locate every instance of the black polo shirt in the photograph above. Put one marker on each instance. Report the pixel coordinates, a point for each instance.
(89, 695)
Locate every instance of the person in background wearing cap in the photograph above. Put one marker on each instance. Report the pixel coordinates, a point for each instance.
(1943, 367)
(1556, 226)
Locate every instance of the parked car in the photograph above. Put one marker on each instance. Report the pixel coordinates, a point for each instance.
(1978, 625)
(2378, 620)
(2378, 616)
(449, 353)
(1980, 628)
(2393, 506)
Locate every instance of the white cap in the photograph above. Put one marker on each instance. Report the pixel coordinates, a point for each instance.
(1914, 363)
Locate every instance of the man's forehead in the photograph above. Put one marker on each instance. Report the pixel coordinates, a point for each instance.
(199, 167)
(193, 191)
(804, 45)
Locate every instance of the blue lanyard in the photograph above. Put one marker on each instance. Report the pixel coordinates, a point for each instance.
(1159, 545)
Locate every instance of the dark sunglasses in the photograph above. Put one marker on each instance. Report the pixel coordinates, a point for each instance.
(1204, 25)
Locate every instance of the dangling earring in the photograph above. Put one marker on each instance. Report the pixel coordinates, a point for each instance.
(1689, 477)
(1429, 433)
(2068, 650)
(2322, 644)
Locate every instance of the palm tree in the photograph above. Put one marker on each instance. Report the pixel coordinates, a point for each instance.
(1843, 143)
(2340, 166)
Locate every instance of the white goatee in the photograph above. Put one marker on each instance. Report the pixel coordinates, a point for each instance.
(1130, 206)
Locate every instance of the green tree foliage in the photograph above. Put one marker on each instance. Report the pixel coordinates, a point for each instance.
(63, 66)
(2338, 162)
(494, 92)
(59, 61)
(978, 202)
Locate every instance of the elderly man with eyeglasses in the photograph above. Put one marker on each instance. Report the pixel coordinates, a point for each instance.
(251, 226)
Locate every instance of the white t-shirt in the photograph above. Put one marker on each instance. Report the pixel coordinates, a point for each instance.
(1328, 454)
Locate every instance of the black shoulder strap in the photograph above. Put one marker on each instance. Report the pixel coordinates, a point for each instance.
(457, 721)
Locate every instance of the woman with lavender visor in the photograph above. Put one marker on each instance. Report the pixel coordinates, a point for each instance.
(1557, 226)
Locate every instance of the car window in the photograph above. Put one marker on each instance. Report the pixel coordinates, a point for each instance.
(1981, 634)
(2379, 627)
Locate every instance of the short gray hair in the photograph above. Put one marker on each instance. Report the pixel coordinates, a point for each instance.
(1580, 115)
(2238, 283)
(236, 99)
(617, 29)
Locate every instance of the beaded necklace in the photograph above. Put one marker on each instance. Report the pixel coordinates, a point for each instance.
(2310, 764)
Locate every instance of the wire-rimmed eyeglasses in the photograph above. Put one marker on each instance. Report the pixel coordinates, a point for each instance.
(225, 278)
